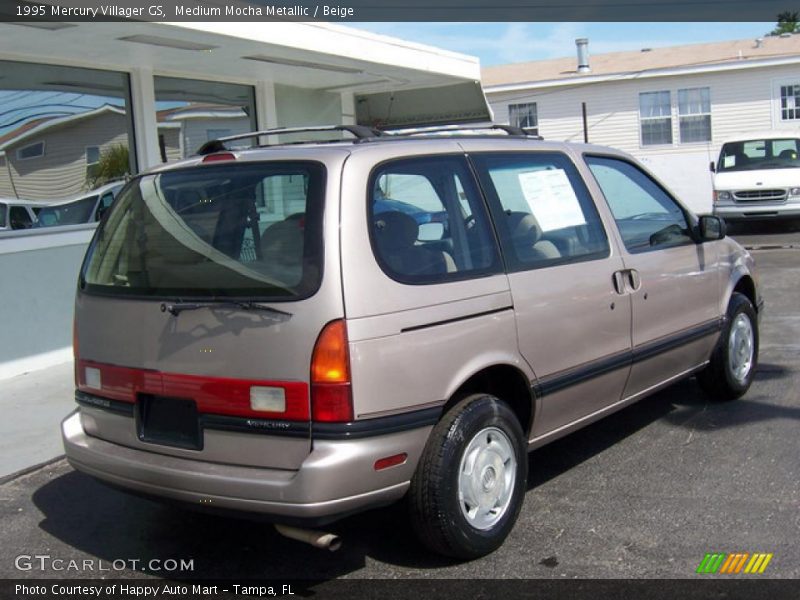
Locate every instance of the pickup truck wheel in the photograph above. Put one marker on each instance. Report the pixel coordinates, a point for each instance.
(733, 364)
(470, 483)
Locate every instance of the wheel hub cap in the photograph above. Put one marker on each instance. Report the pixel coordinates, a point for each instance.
(741, 345)
(487, 474)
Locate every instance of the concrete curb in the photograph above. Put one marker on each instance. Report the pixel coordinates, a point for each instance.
(27, 470)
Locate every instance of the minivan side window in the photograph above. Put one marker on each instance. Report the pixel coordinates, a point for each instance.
(646, 216)
(428, 223)
(543, 211)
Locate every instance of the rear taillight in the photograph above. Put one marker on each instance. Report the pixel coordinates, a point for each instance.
(331, 394)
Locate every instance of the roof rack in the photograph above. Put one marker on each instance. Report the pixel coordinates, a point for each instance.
(359, 132)
(508, 129)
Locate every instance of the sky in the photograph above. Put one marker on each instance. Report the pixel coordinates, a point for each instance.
(501, 43)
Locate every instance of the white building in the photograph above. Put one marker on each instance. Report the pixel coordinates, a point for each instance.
(669, 107)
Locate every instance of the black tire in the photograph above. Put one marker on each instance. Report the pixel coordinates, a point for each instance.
(719, 379)
(436, 511)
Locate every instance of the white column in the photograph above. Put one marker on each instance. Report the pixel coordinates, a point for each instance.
(348, 108)
(145, 127)
(266, 110)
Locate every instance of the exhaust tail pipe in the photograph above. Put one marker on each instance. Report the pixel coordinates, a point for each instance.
(318, 539)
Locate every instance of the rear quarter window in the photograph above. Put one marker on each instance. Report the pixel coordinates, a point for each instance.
(428, 222)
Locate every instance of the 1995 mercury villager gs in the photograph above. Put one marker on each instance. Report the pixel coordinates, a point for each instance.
(312, 329)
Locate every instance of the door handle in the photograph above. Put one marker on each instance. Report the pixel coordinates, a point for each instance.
(634, 279)
(619, 282)
(626, 279)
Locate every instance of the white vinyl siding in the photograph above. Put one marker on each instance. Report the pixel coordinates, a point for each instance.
(741, 100)
(61, 172)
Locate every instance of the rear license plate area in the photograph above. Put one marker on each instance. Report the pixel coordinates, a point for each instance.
(169, 422)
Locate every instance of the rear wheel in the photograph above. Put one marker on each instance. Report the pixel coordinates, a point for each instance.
(733, 364)
(470, 483)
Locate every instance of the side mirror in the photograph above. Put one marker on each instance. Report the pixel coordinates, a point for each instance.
(711, 228)
(712, 167)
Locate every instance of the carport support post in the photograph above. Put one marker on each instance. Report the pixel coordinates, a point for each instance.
(266, 110)
(348, 108)
(585, 124)
(145, 126)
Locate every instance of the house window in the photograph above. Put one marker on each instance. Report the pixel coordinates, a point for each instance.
(524, 115)
(655, 118)
(790, 102)
(694, 114)
(92, 155)
(31, 151)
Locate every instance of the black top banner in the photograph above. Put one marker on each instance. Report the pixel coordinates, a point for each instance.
(394, 10)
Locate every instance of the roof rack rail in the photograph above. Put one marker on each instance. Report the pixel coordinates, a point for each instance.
(508, 129)
(357, 131)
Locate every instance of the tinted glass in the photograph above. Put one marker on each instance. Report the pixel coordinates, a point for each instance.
(543, 211)
(252, 231)
(19, 218)
(73, 213)
(429, 223)
(65, 130)
(190, 112)
(3, 209)
(647, 217)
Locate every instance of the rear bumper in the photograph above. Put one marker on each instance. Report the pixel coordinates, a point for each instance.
(337, 478)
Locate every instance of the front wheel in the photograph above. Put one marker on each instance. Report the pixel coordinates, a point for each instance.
(733, 364)
(470, 483)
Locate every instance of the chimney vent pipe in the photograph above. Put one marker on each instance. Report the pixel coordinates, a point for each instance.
(582, 45)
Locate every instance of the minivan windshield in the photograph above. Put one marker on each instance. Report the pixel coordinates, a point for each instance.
(251, 230)
(749, 155)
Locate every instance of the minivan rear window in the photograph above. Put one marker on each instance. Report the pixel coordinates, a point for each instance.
(250, 230)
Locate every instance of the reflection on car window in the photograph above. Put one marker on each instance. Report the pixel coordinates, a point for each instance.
(646, 216)
(544, 213)
(230, 230)
(429, 223)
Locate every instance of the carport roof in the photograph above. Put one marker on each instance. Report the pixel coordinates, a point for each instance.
(319, 56)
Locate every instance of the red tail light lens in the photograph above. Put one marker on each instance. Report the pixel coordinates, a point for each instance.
(219, 157)
(331, 393)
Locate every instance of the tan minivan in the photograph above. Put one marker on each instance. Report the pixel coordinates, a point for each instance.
(307, 330)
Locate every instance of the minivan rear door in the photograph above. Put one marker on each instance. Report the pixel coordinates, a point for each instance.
(201, 298)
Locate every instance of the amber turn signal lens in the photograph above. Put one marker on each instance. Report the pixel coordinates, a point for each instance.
(330, 363)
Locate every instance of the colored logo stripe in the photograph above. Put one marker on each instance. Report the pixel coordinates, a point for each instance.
(720, 562)
(758, 563)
